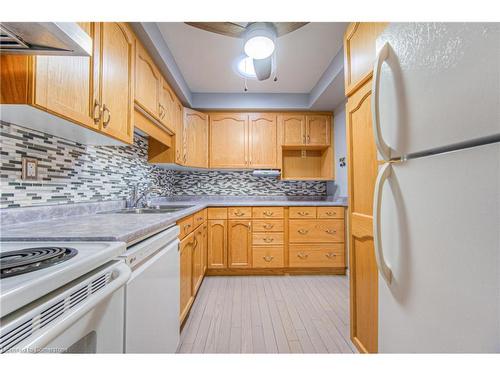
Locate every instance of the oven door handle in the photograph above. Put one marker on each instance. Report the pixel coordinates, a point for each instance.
(122, 273)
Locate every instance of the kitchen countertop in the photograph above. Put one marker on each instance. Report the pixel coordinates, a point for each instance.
(131, 228)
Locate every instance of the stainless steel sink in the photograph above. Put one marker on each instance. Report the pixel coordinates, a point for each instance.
(148, 210)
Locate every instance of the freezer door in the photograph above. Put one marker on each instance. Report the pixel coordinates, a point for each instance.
(439, 85)
(440, 238)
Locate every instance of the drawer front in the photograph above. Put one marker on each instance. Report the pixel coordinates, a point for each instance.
(330, 212)
(268, 213)
(268, 225)
(186, 226)
(267, 257)
(316, 230)
(239, 212)
(267, 239)
(217, 213)
(331, 255)
(200, 218)
(302, 213)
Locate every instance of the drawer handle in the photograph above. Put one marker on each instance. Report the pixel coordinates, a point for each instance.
(199, 218)
(331, 231)
(302, 255)
(105, 109)
(330, 255)
(187, 226)
(303, 213)
(268, 258)
(303, 231)
(268, 213)
(239, 213)
(331, 213)
(268, 239)
(97, 108)
(268, 226)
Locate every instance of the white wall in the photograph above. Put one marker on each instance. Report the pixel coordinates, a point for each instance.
(340, 150)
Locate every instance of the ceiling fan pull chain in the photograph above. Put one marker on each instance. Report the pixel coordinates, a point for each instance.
(275, 79)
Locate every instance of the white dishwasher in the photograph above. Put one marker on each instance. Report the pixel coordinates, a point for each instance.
(152, 294)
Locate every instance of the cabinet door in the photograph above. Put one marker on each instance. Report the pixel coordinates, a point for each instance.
(359, 53)
(262, 141)
(294, 129)
(229, 140)
(117, 80)
(217, 244)
(167, 105)
(197, 271)
(196, 138)
(204, 242)
(318, 130)
(239, 243)
(362, 173)
(179, 134)
(147, 82)
(64, 84)
(186, 269)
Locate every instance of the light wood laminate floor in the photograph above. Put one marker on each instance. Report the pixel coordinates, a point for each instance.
(269, 314)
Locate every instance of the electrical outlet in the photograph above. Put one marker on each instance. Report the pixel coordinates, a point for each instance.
(342, 162)
(29, 169)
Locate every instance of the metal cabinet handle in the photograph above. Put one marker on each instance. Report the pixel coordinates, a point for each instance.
(304, 139)
(308, 139)
(268, 213)
(382, 147)
(302, 255)
(303, 231)
(331, 231)
(330, 255)
(187, 226)
(268, 226)
(303, 213)
(331, 213)
(105, 109)
(268, 239)
(268, 258)
(239, 213)
(161, 112)
(97, 106)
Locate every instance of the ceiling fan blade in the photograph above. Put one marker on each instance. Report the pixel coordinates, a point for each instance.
(283, 28)
(263, 68)
(223, 28)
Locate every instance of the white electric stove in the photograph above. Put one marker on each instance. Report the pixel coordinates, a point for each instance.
(62, 296)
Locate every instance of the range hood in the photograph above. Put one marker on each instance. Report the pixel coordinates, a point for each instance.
(44, 38)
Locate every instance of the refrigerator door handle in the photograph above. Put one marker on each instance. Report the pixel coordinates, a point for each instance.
(382, 147)
(384, 269)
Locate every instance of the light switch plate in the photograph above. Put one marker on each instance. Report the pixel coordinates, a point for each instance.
(30, 169)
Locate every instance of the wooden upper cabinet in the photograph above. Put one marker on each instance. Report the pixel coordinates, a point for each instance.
(179, 133)
(359, 53)
(228, 140)
(294, 129)
(262, 141)
(318, 130)
(239, 243)
(147, 82)
(195, 134)
(64, 84)
(167, 105)
(117, 80)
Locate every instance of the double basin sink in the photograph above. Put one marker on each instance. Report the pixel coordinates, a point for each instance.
(148, 210)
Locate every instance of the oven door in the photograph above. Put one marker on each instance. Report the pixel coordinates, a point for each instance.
(85, 316)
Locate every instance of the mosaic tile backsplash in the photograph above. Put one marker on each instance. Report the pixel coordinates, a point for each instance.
(70, 172)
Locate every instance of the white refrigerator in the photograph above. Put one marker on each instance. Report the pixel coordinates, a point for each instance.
(436, 121)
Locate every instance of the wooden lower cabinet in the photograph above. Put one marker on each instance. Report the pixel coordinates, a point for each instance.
(239, 240)
(267, 257)
(197, 261)
(316, 230)
(186, 274)
(324, 255)
(217, 244)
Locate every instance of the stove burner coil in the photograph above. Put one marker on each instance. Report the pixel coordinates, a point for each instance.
(17, 262)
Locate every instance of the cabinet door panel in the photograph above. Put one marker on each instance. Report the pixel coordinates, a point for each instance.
(197, 261)
(64, 84)
(293, 129)
(117, 80)
(239, 240)
(186, 259)
(147, 81)
(262, 141)
(362, 173)
(318, 130)
(217, 244)
(167, 105)
(228, 141)
(196, 138)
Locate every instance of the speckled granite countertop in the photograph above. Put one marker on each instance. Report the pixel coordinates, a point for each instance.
(79, 223)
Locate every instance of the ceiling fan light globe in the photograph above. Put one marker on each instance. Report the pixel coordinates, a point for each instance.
(259, 47)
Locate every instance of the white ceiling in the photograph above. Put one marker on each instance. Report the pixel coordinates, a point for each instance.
(206, 60)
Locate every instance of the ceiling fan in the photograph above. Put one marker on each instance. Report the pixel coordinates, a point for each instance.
(260, 40)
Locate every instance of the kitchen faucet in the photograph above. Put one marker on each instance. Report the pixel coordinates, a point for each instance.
(136, 197)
